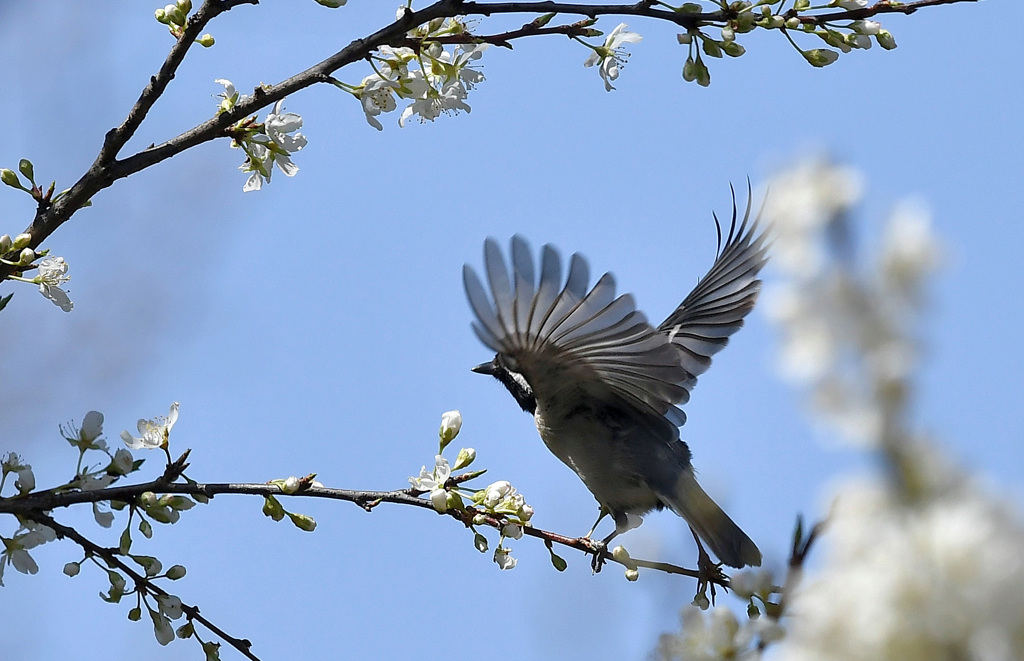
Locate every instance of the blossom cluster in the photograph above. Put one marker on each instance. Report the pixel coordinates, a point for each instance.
(499, 500)
(434, 79)
(265, 144)
(716, 635)
(88, 440)
(51, 272)
(175, 17)
(939, 579)
(772, 15)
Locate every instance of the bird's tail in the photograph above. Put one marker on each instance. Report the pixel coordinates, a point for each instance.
(726, 540)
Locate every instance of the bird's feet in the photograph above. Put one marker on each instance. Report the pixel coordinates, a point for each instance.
(710, 573)
(597, 549)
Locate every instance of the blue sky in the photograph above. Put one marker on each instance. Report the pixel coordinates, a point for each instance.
(320, 326)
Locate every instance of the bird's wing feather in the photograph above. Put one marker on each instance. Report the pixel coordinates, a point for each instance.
(566, 336)
(715, 309)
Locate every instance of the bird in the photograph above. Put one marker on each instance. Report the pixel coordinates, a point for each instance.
(605, 386)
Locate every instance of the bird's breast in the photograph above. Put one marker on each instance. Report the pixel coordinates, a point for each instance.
(581, 439)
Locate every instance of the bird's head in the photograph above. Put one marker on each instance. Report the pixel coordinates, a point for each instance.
(504, 368)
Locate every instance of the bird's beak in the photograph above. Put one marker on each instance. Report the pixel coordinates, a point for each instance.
(485, 368)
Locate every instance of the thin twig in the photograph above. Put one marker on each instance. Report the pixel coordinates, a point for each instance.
(142, 583)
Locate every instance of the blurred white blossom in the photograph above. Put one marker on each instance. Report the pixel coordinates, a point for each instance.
(847, 325)
(716, 635)
(938, 579)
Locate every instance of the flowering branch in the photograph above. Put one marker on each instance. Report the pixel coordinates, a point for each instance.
(52, 211)
(143, 585)
(31, 505)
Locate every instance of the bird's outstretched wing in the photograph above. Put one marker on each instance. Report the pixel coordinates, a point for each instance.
(562, 336)
(715, 309)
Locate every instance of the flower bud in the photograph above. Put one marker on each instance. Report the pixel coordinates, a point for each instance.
(512, 530)
(272, 508)
(701, 602)
(303, 521)
(885, 39)
(332, 4)
(703, 75)
(72, 568)
(27, 171)
(465, 458)
(451, 423)
(10, 178)
(732, 49)
(175, 572)
(480, 542)
(5, 244)
(147, 499)
(861, 27)
(27, 256)
(793, 23)
(688, 70)
(206, 40)
(454, 501)
(632, 574)
(820, 57)
(161, 16)
(728, 34)
(621, 555)
(859, 41)
(184, 6)
(22, 240)
(684, 38)
(135, 614)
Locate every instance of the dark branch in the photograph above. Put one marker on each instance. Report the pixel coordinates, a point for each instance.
(106, 169)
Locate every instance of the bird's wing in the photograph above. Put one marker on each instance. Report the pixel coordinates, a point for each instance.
(715, 309)
(562, 336)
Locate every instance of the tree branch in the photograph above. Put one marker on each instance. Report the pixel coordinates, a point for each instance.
(142, 583)
(105, 170)
(31, 505)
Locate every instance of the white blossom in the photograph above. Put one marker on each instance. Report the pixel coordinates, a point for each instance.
(503, 557)
(123, 461)
(104, 518)
(229, 97)
(92, 426)
(377, 95)
(153, 433)
(52, 274)
(612, 56)
(279, 125)
(169, 605)
(434, 482)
